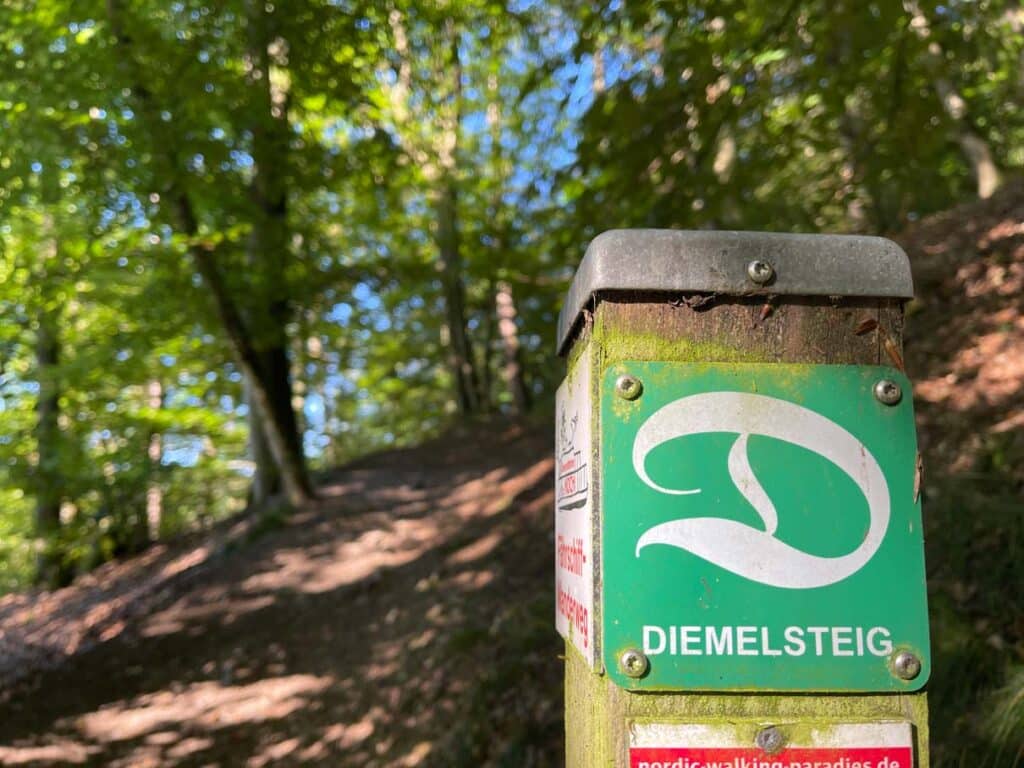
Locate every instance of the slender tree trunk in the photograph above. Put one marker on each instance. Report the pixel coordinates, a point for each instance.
(154, 452)
(438, 160)
(512, 370)
(278, 430)
(50, 568)
(452, 278)
(486, 360)
(979, 156)
(976, 150)
(266, 479)
(500, 292)
(460, 354)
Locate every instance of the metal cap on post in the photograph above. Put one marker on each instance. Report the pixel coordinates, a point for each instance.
(738, 528)
(735, 264)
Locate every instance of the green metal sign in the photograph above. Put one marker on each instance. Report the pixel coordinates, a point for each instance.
(761, 528)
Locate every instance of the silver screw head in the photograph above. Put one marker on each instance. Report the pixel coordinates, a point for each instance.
(906, 665)
(633, 663)
(888, 391)
(770, 739)
(760, 271)
(628, 387)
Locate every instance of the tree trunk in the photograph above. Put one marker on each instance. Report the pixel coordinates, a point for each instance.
(437, 157)
(268, 480)
(267, 251)
(51, 569)
(976, 150)
(460, 355)
(154, 452)
(245, 344)
(512, 370)
(278, 427)
(983, 167)
(486, 358)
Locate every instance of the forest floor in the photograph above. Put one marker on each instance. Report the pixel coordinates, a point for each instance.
(408, 618)
(965, 354)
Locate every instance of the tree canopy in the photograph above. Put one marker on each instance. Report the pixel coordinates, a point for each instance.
(244, 241)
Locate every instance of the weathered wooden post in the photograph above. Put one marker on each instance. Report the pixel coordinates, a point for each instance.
(739, 556)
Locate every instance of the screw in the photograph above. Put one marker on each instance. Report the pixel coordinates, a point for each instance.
(628, 387)
(906, 665)
(769, 739)
(761, 272)
(888, 391)
(633, 663)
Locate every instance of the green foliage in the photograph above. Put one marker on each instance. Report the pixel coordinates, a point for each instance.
(17, 558)
(977, 599)
(792, 116)
(306, 147)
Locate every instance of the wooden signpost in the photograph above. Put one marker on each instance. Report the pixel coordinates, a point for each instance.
(739, 555)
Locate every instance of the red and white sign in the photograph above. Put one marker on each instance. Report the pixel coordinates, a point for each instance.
(844, 745)
(574, 505)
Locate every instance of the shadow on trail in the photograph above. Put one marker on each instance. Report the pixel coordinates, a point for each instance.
(398, 624)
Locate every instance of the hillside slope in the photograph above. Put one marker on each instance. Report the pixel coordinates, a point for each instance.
(405, 621)
(965, 353)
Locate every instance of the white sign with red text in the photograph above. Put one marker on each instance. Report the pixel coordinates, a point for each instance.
(837, 745)
(574, 505)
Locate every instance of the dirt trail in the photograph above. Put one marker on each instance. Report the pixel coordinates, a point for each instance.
(397, 624)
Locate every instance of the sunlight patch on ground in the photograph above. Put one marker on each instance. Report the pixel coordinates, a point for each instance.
(989, 371)
(169, 750)
(348, 735)
(61, 752)
(180, 615)
(477, 550)
(274, 753)
(418, 753)
(348, 562)
(471, 580)
(207, 706)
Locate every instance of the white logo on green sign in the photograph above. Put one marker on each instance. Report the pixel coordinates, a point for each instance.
(760, 528)
(742, 549)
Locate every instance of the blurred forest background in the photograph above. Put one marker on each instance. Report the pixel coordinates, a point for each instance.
(245, 242)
